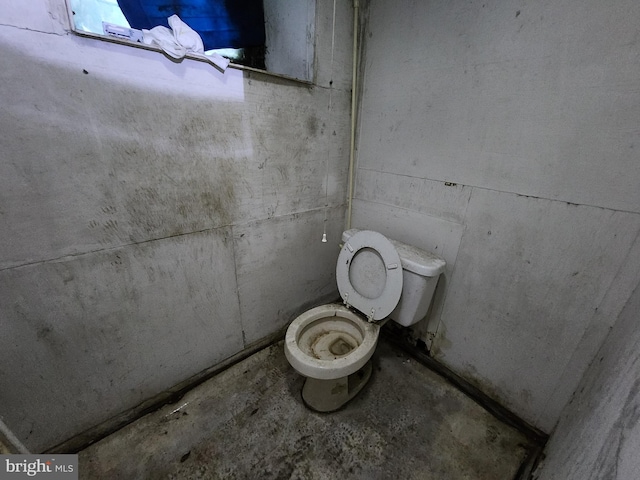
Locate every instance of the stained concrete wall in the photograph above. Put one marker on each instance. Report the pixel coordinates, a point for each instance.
(503, 134)
(598, 436)
(157, 217)
(290, 32)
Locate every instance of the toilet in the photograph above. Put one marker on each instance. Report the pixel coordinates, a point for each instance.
(379, 279)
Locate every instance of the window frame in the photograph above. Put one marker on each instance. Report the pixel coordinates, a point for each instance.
(188, 56)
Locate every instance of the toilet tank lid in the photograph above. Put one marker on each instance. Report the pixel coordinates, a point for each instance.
(413, 259)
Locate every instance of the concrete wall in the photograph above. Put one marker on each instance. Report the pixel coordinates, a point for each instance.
(157, 217)
(598, 436)
(504, 135)
(290, 32)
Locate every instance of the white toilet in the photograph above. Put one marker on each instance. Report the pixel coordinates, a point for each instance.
(378, 279)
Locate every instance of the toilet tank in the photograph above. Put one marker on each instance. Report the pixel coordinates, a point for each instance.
(420, 272)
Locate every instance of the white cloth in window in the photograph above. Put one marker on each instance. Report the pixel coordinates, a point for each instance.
(179, 40)
(176, 41)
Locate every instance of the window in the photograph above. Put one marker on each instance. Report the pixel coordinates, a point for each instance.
(273, 35)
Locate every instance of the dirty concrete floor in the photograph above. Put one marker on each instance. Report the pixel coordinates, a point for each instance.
(249, 422)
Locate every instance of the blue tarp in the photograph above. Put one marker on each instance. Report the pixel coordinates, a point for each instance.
(220, 23)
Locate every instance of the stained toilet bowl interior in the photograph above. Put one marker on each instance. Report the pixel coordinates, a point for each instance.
(330, 342)
(329, 338)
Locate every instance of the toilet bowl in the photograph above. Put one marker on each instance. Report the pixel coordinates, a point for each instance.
(331, 345)
(329, 342)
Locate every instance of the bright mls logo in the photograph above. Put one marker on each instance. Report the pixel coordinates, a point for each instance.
(54, 467)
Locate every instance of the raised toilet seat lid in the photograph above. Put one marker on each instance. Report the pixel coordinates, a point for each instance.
(369, 274)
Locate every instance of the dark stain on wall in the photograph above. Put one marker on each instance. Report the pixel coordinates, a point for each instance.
(312, 126)
(172, 177)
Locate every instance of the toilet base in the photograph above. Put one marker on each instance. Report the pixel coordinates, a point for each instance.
(330, 395)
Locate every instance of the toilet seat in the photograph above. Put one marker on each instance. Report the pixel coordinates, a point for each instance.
(369, 274)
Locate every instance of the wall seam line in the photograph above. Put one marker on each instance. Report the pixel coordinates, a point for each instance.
(502, 191)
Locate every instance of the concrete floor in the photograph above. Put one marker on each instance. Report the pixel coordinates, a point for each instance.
(249, 422)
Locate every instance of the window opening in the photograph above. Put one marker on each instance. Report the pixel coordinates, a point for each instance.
(286, 30)
(233, 29)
